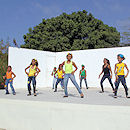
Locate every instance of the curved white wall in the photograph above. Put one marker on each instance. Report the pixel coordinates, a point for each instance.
(93, 60)
(20, 58)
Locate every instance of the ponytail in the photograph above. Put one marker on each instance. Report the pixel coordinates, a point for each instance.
(108, 62)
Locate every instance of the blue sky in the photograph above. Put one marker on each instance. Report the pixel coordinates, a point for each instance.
(16, 16)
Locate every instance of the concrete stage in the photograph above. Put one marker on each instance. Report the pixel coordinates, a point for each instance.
(50, 111)
(91, 96)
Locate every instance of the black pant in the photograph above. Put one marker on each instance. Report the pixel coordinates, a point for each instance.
(32, 78)
(121, 78)
(109, 79)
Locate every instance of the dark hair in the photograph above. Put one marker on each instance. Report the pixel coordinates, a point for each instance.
(108, 62)
(9, 67)
(70, 54)
(36, 62)
(60, 65)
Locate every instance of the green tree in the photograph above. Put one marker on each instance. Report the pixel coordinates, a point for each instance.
(76, 31)
(3, 60)
(126, 37)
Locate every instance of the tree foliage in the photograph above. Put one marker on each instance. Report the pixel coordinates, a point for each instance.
(3, 60)
(76, 31)
(126, 37)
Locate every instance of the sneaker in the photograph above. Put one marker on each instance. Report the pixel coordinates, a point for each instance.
(101, 92)
(29, 94)
(35, 94)
(65, 96)
(55, 91)
(7, 93)
(115, 96)
(14, 93)
(127, 96)
(82, 96)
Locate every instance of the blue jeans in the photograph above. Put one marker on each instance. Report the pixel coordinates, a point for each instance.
(121, 78)
(54, 82)
(72, 78)
(84, 81)
(59, 81)
(11, 85)
(32, 78)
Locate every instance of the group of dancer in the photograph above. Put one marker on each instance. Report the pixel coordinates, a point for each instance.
(62, 76)
(119, 74)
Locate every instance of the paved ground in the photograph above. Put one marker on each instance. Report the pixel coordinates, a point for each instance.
(91, 96)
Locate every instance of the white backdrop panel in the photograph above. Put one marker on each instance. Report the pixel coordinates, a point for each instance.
(93, 61)
(20, 58)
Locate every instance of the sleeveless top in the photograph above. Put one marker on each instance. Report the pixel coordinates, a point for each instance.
(32, 71)
(68, 67)
(82, 73)
(60, 74)
(9, 75)
(106, 70)
(120, 68)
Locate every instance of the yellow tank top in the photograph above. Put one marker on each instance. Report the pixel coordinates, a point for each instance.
(60, 74)
(32, 71)
(120, 68)
(68, 67)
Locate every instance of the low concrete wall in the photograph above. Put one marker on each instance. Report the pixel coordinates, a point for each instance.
(34, 115)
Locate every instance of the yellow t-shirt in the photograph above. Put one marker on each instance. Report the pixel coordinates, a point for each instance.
(32, 71)
(120, 68)
(60, 74)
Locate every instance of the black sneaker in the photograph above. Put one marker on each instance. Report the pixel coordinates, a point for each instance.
(35, 94)
(29, 94)
(115, 96)
(101, 92)
(14, 93)
(82, 96)
(7, 93)
(127, 96)
(55, 91)
(65, 96)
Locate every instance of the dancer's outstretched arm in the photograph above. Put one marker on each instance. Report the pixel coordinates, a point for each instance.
(100, 73)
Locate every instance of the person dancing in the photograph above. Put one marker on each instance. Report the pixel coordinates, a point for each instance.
(69, 74)
(106, 69)
(120, 75)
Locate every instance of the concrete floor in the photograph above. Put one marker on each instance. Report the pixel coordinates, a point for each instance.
(91, 96)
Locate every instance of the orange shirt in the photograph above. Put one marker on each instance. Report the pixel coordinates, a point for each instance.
(9, 75)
